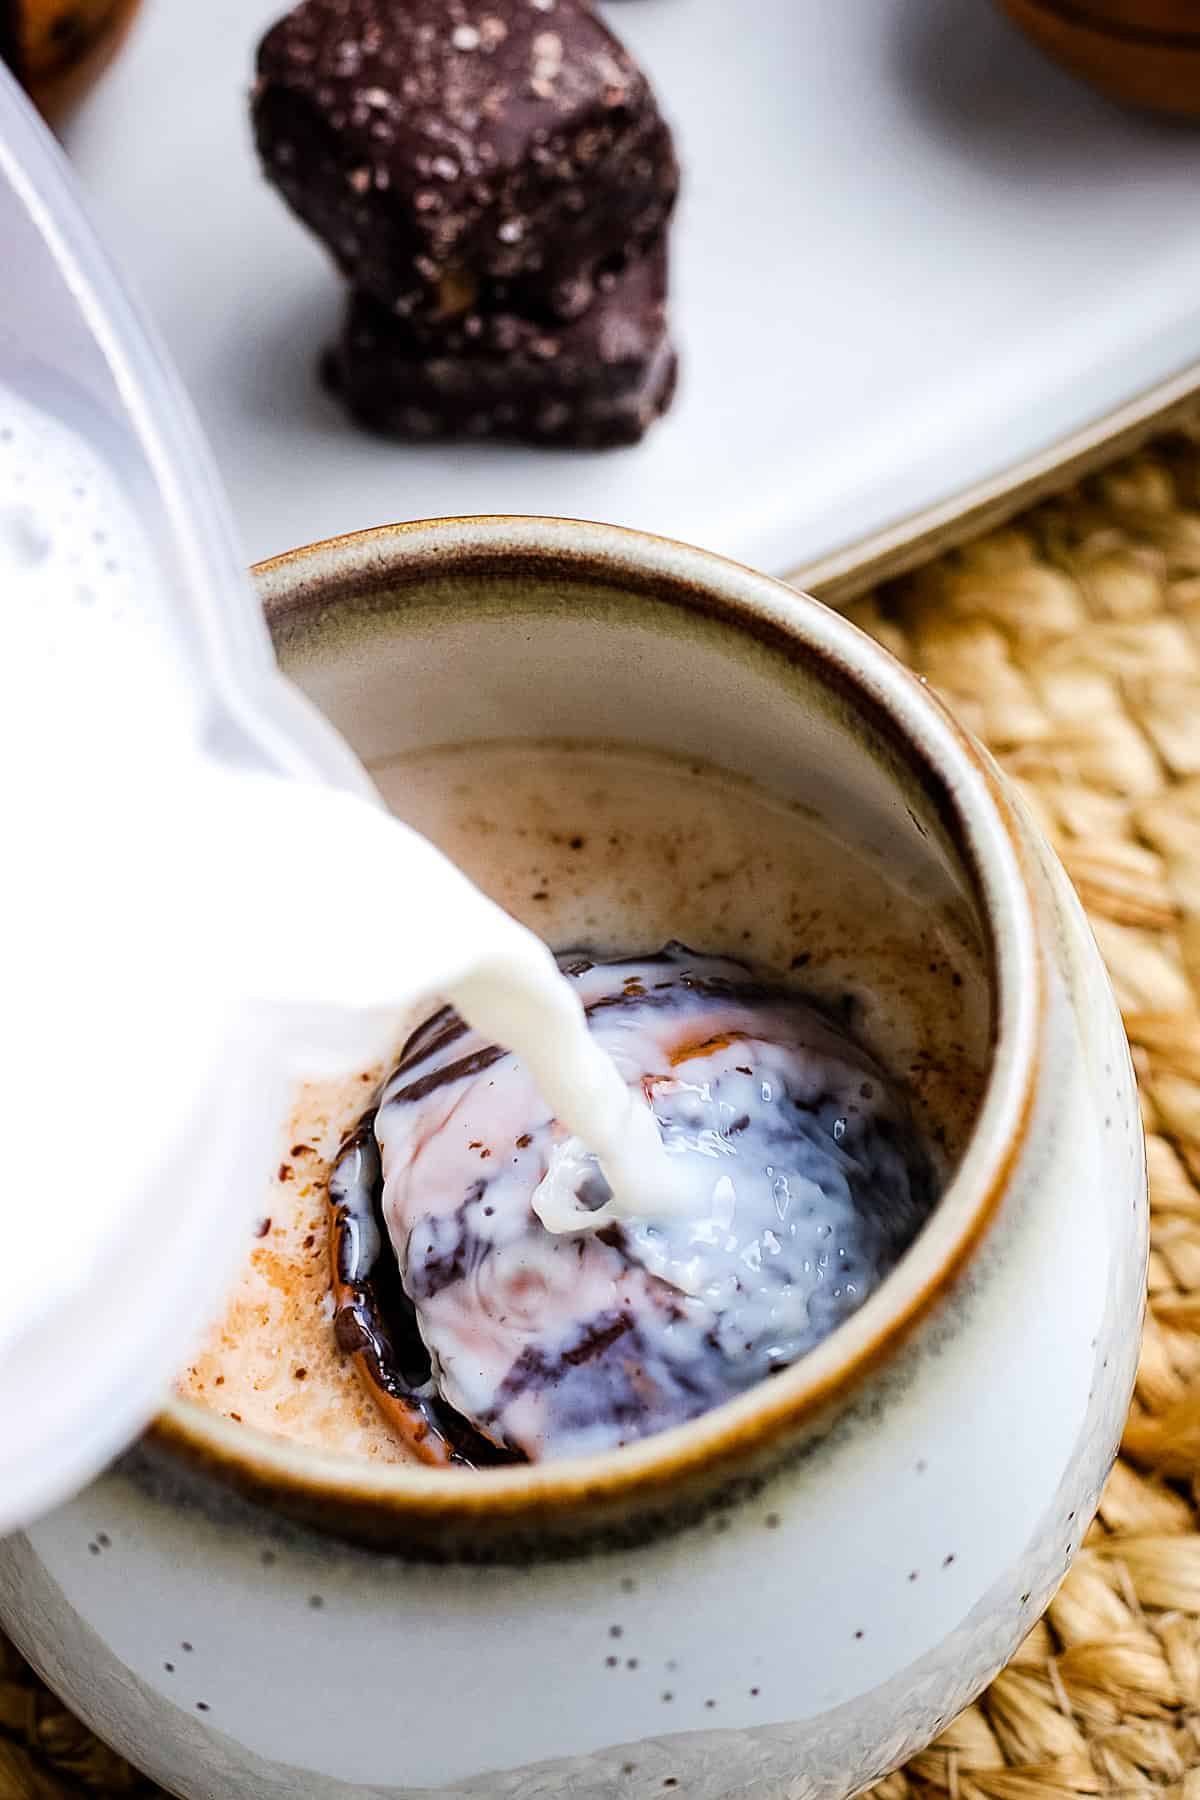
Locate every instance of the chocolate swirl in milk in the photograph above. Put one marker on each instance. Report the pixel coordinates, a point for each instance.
(485, 1336)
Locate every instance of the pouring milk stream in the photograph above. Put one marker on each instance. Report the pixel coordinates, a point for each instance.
(165, 984)
(157, 863)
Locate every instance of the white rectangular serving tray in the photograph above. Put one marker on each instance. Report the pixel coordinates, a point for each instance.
(917, 272)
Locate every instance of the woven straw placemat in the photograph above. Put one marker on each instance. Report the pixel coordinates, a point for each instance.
(1070, 642)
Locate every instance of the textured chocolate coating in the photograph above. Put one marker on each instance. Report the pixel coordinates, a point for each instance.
(439, 147)
(590, 383)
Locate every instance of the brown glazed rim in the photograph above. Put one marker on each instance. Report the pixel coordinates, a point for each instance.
(1112, 19)
(411, 1504)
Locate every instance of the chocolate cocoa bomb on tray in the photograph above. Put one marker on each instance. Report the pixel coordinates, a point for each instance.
(593, 382)
(459, 154)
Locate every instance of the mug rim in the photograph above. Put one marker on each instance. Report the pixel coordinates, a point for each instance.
(391, 1502)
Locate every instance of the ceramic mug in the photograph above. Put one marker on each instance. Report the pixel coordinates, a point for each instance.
(792, 1593)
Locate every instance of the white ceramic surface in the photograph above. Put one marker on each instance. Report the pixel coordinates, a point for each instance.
(911, 254)
(808, 1636)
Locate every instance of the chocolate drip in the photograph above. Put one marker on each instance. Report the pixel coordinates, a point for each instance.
(375, 1321)
(440, 1078)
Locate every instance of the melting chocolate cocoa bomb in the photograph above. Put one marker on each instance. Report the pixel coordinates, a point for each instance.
(484, 1335)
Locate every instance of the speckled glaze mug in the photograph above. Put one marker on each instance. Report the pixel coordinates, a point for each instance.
(791, 1594)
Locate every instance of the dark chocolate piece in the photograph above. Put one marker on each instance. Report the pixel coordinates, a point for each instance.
(375, 1321)
(439, 147)
(590, 383)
